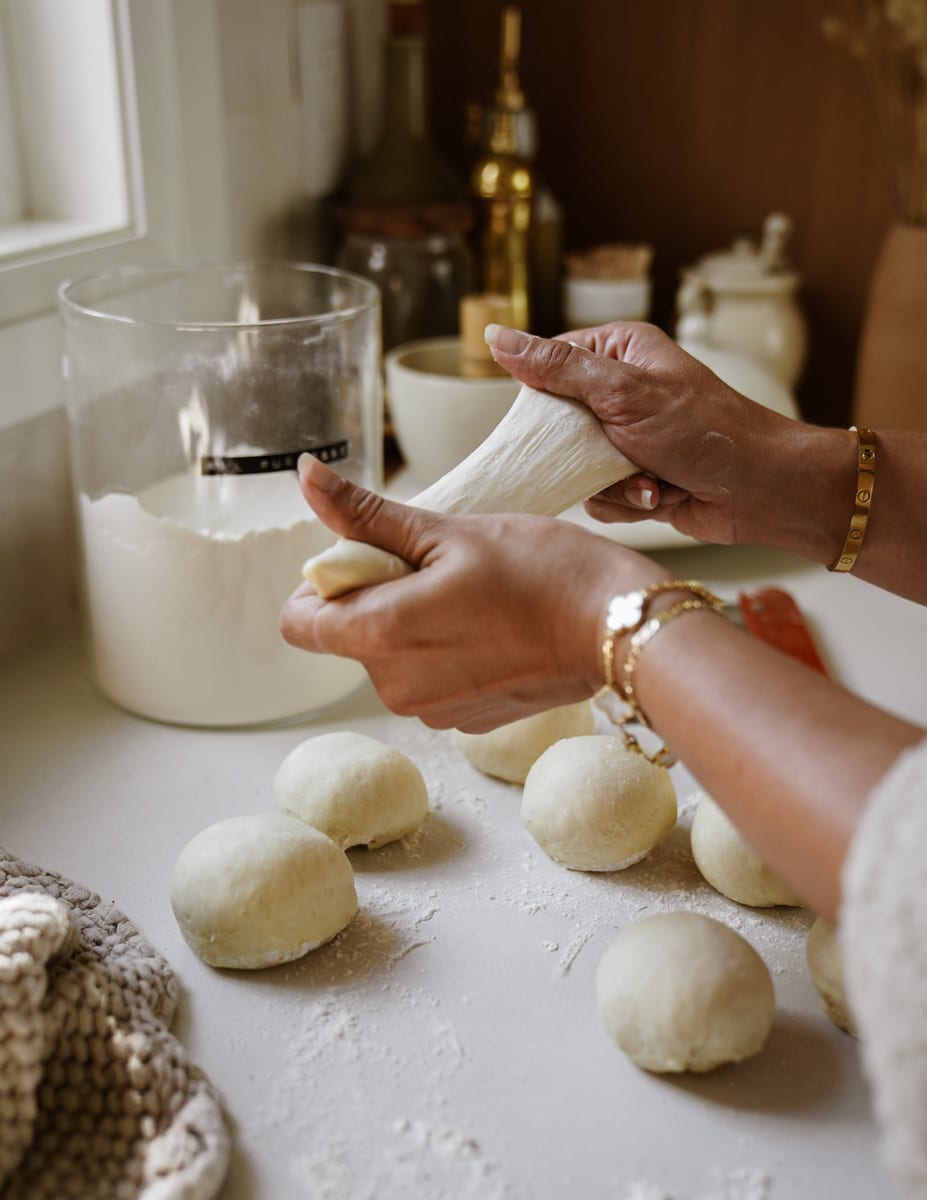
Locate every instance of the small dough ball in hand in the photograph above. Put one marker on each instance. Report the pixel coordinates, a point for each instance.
(359, 791)
(682, 992)
(255, 891)
(510, 751)
(593, 804)
(826, 966)
(729, 862)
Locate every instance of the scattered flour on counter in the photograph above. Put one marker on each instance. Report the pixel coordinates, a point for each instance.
(735, 1183)
(640, 1190)
(374, 1083)
(415, 1158)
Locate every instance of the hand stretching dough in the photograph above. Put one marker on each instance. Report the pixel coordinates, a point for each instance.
(255, 891)
(729, 862)
(510, 751)
(357, 790)
(595, 805)
(682, 992)
(545, 455)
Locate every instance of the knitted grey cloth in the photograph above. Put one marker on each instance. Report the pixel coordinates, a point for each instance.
(98, 1101)
(883, 935)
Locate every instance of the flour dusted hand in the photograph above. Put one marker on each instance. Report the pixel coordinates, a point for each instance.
(255, 891)
(546, 454)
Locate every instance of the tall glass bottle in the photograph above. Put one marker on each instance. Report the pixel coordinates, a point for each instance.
(405, 171)
(406, 216)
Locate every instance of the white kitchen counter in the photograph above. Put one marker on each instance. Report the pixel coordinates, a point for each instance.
(447, 1044)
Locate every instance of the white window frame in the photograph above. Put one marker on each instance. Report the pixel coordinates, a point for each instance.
(174, 149)
(60, 72)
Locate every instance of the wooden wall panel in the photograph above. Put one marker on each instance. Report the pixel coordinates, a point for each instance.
(681, 122)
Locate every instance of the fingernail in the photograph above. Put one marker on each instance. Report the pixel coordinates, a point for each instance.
(316, 473)
(645, 498)
(509, 341)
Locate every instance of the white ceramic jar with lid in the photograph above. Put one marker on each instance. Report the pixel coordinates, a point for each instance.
(744, 299)
(191, 393)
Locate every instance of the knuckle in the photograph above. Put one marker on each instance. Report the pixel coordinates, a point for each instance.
(552, 355)
(364, 506)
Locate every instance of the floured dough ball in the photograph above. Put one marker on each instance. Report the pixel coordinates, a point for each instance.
(729, 862)
(255, 891)
(595, 805)
(826, 966)
(682, 992)
(359, 791)
(510, 751)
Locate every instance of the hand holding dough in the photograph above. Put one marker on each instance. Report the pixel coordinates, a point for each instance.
(545, 455)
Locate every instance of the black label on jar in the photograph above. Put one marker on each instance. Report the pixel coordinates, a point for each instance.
(264, 464)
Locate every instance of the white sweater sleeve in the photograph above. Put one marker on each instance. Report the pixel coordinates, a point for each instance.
(883, 933)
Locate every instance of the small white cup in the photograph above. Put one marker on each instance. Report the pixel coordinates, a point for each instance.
(588, 302)
(439, 415)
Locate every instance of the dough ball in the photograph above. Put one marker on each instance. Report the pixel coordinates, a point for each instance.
(594, 805)
(826, 966)
(681, 992)
(255, 891)
(511, 751)
(730, 864)
(359, 791)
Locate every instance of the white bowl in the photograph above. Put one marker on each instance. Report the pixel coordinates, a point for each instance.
(439, 415)
(589, 302)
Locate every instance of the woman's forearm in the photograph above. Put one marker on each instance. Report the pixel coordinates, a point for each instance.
(802, 497)
(791, 756)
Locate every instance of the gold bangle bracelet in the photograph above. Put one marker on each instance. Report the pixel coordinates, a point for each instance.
(862, 501)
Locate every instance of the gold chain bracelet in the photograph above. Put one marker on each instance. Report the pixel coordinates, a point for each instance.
(626, 614)
(862, 501)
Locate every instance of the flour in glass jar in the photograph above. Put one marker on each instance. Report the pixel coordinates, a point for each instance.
(184, 583)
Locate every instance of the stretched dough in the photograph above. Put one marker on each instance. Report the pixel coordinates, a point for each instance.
(682, 992)
(595, 805)
(729, 862)
(545, 455)
(255, 891)
(510, 751)
(354, 788)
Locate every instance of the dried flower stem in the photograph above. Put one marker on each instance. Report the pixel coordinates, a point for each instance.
(890, 37)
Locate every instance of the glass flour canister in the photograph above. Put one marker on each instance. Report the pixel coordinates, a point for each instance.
(191, 393)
